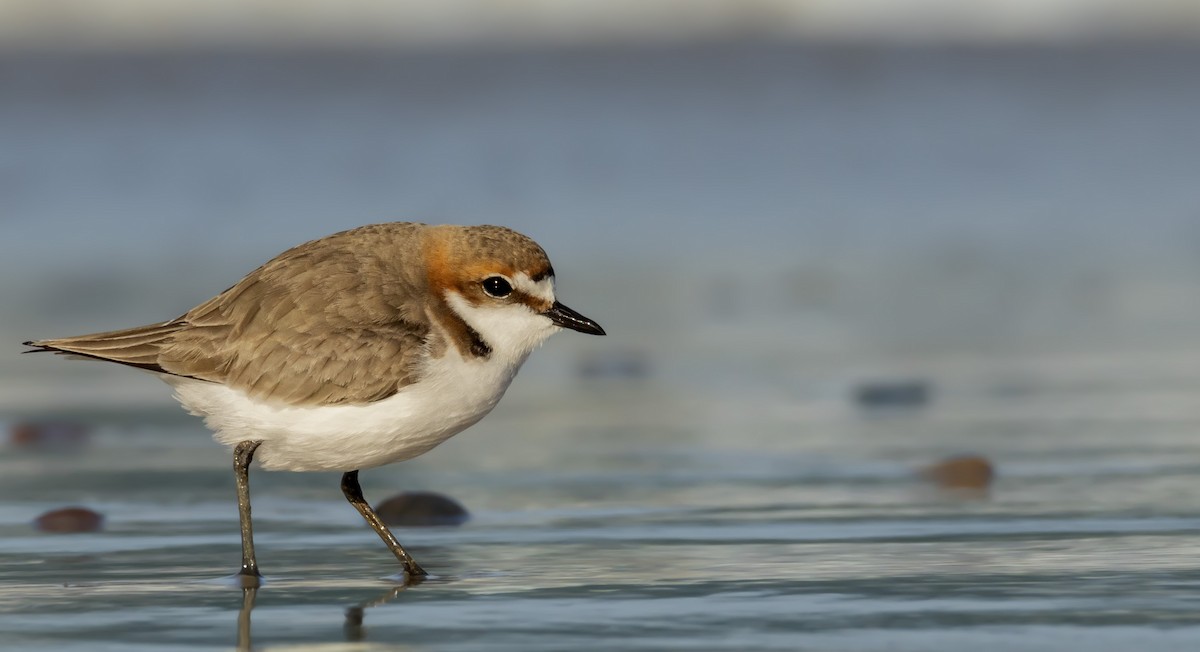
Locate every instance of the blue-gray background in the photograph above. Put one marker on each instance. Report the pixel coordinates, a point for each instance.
(762, 219)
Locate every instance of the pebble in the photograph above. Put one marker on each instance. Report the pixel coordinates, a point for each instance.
(961, 472)
(48, 434)
(421, 508)
(893, 393)
(69, 520)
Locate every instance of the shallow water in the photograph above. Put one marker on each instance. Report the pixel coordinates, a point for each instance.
(635, 528)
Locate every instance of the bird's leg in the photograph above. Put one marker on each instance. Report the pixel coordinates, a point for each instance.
(242, 456)
(353, 493)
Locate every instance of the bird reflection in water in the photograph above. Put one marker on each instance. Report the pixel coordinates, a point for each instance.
(353, 627)
(243, 628)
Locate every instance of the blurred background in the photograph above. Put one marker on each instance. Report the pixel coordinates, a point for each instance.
(981, 218)
(816, 181)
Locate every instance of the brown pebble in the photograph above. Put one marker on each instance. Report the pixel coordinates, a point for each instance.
(70, 520)
(961, 472)
(51, 434)
(421, 508)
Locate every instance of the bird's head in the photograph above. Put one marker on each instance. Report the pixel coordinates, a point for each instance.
(500, 284)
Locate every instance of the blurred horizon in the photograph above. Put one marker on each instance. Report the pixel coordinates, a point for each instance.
(146, 24)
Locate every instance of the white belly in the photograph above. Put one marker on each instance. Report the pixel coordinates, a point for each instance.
(454, 395)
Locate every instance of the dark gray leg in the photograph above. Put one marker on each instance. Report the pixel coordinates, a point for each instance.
(353, 493)
(242, 456)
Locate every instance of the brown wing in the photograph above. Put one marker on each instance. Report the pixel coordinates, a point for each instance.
(334, 321)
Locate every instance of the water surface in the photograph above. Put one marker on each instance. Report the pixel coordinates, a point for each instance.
(638, 528)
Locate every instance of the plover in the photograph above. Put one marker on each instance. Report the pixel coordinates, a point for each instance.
(363, 348)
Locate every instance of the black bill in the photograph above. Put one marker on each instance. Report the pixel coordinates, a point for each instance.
(567, 318)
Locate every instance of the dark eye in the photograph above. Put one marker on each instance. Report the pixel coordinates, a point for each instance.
(497, 287)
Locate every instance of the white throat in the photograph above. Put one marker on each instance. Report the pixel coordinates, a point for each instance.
(512, 331)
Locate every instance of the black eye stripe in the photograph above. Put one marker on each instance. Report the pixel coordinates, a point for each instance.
(497, 286)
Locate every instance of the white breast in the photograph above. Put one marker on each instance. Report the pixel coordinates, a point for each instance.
(452, 395)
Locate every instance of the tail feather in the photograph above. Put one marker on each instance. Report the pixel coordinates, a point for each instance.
(135, 347)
